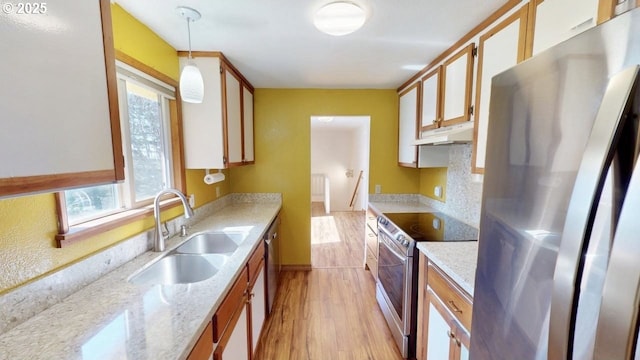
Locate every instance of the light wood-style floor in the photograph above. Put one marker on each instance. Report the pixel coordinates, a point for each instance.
(329, 312)
(336, 238)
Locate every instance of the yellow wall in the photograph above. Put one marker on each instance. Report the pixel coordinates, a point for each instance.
(282, 146)
(28, 224)
(432, 177)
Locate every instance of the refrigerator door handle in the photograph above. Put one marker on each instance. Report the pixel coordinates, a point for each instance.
(618, 317)
(586, 193)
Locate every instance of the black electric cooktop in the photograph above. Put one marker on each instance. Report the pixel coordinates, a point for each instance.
(431, 226)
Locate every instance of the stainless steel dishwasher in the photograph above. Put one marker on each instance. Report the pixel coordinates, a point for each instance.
(272, 262)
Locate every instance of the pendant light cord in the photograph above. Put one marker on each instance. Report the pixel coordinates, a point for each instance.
(189, 32)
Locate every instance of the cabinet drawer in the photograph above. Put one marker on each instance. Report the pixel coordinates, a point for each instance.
(372, 263)
(372, 221)
(204, 347)
(456, 301)
(372, 243)
(231, 303)
(255, 262)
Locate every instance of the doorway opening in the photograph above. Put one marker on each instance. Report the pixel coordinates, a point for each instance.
(339, 188)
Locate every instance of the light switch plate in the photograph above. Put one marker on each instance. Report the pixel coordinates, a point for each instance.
(192, 200)
(437, 191)
(378, 188)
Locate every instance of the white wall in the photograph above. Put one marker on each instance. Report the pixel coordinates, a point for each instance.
(336, 149)
(360, 161)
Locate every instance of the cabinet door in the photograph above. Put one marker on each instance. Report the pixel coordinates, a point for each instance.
(203, 125)
(431, 107)
(499, 49)
(446, 337)
(463, 340)
(371, 252)
(60, 123)
(456, 90)
(233, 109)
(258, 306)
(236, 297)
(235, 347)
(558, 20)
(247, 124)
(408, 126)
(440, 344)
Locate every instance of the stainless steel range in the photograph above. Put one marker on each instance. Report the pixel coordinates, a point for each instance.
(396, 287)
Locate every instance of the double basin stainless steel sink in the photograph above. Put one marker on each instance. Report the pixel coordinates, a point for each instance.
(198, 258)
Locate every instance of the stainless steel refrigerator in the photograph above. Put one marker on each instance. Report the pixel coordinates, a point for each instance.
(559, 247)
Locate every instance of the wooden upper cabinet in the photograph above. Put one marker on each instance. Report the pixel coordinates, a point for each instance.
(558, 20)
(500, 48)
(61, 123)
(247, 125)
(457, 77)
(233, 107)
(431, 113)
(218, 133)
(408, 119)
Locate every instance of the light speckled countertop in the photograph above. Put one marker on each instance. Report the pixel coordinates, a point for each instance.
(400, 205)
(457, 259)
(113, 319)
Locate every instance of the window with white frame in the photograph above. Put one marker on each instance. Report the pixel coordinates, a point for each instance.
(146, 141)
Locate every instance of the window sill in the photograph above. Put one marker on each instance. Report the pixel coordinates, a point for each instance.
(91, 228)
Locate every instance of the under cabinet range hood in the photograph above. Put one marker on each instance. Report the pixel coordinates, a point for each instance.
(455, 134)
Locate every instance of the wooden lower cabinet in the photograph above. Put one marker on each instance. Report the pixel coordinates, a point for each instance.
(257, 300)
(203, 350)
(258, 309)
(237, 324)
(444, 315)
(371, 242)
(233, 345)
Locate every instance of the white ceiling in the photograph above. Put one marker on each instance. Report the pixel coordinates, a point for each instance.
(275, 45)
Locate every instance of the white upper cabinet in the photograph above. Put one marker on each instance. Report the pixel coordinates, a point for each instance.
(233, 95)
(558, 20)
(431, 106)
(60, 123)
(218, 133)
(456, 87)
(408, 125)
(499, 49)
(247, 124)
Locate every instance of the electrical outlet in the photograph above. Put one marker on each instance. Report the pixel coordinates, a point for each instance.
(217, 191)
(437, 191)
(378, 188)
(192, 200)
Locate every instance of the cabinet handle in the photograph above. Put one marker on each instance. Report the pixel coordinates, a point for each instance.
(454, 308)
(453, 338)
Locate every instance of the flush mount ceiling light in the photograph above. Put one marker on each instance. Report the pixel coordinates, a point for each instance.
(339, 18)
(191, 83)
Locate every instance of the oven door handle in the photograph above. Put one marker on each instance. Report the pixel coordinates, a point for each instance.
(392, 248)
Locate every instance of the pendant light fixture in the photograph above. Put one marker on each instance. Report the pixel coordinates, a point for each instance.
(191, 83)
(339, 18)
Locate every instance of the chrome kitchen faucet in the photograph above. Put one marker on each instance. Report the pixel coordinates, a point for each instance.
(159, 235)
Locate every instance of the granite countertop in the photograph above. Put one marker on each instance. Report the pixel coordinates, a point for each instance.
(400, 206)
(457, 259)
(113, 319)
